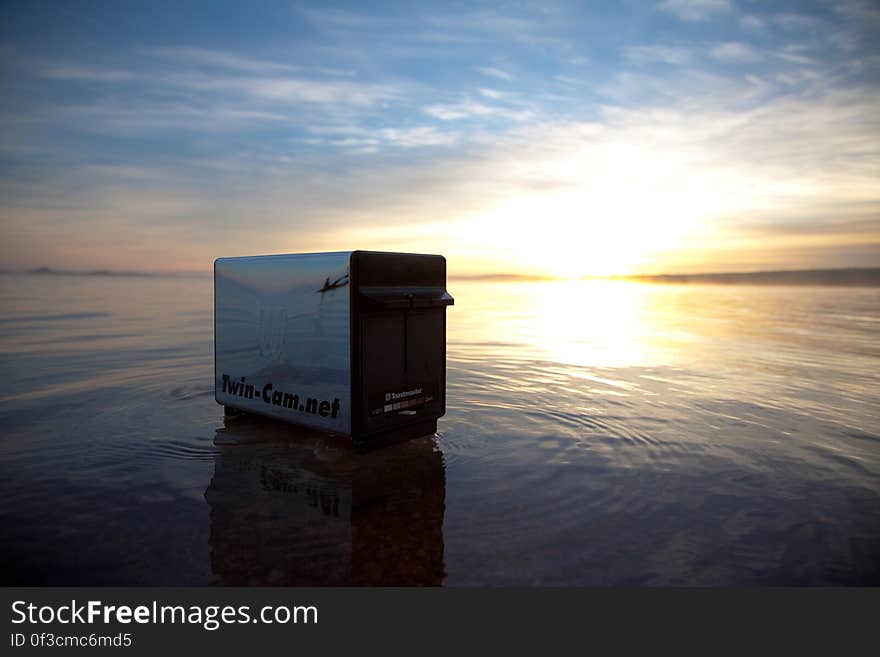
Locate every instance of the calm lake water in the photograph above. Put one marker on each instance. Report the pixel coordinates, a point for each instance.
(597, 433)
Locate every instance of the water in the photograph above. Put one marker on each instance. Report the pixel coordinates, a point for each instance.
(597, 433)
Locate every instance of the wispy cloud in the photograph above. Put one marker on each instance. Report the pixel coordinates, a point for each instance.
(484, 20)
(659, 54)
(363, 140)
(752, 22)
(470, 109)
(202, 57)
(331, 18)
(491, 93)
(493, 72)
(202, 90)
(796, 22)
(90, 74)
(695, 10)
(735, 52)
(457, 111)
(419, 136)
(267, 85)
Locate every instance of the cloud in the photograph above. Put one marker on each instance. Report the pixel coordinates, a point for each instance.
(469, 110)
(364, 140)
(528, 27)
(458, 111)
(144, 119)
(203, 57)
(419, 136)
(658, 53)
(492, 72)
(327, 18)
(752, 22)
(289, 88)
(734, 52)
(695, 10)
(796, 22)
(302, 90)
(861, 11)
(88, 74)
(197, 90)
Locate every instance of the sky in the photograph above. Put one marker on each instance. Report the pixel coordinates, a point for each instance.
(546, 138)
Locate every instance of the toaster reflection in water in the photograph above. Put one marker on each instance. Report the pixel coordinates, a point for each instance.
(292, 507)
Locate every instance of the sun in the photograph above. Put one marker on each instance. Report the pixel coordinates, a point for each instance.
(581, 233)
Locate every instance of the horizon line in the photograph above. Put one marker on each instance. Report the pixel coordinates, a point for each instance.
(833, 275)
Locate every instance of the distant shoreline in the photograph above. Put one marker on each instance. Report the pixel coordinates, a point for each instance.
(844, 277)
(849, 277)
(113, 273)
